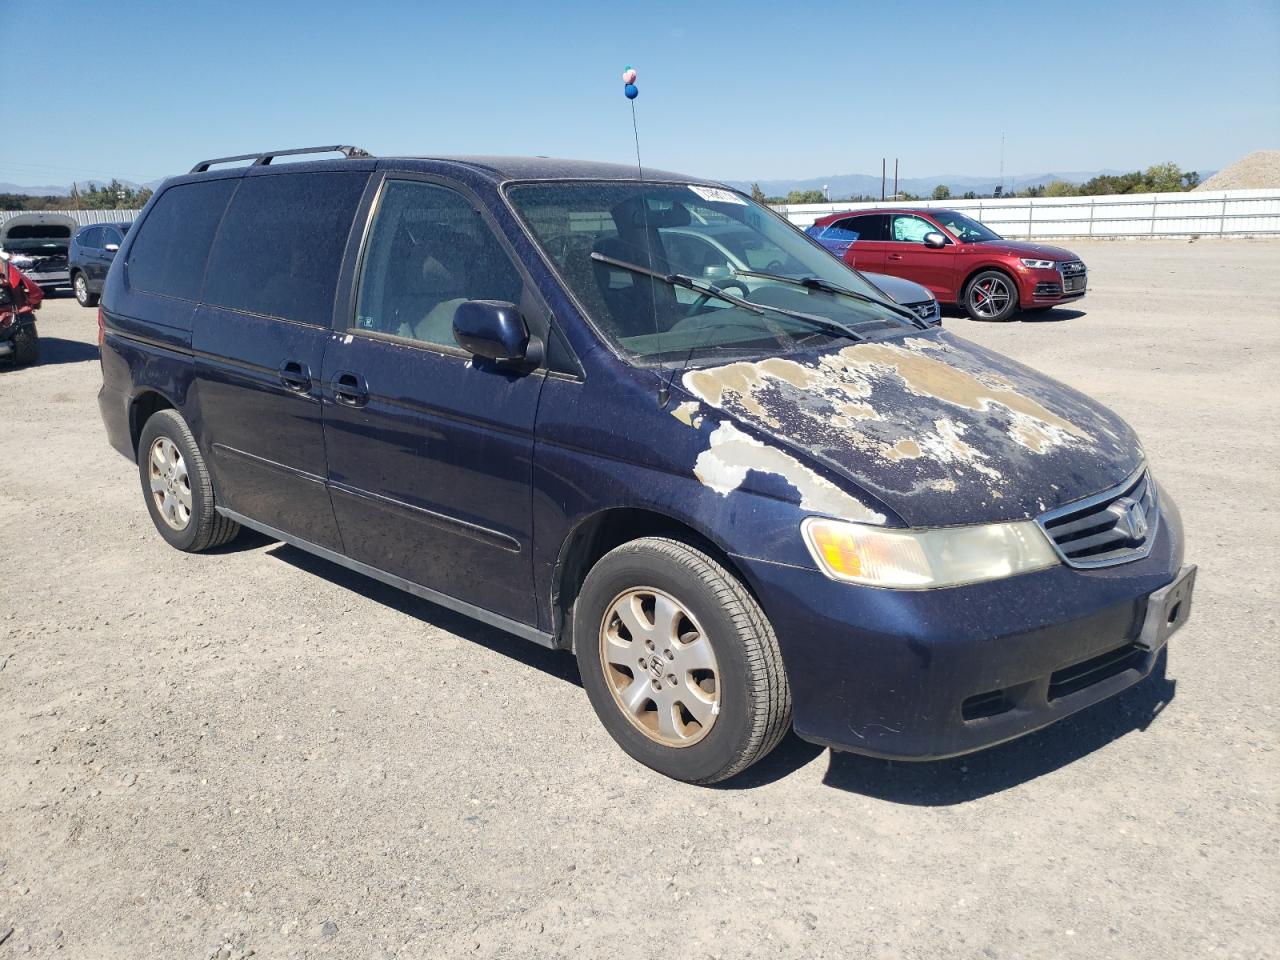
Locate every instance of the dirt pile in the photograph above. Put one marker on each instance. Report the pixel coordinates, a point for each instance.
(1259, 170)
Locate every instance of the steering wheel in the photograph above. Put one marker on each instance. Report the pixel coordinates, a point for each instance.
(697, 305)
(774, 266)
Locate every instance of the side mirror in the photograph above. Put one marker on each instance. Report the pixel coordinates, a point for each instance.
(934, 239)
(717, 271)
(111, 247)
(495, 330)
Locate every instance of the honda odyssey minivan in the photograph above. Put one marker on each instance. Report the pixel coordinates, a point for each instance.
(748, 500)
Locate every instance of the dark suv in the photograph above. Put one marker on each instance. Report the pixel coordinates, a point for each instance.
(92, 250)
(747, 499)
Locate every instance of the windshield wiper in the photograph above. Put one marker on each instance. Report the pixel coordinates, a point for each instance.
(826, 286)
(690, 283)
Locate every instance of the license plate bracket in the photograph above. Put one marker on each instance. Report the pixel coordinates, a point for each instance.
(1167, 610)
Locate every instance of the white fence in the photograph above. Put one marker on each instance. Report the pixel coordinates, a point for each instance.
(82, 217)
(1209, 213)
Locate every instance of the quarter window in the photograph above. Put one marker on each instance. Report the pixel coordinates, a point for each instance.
(169, 254)
(428, 253)
(281, 244)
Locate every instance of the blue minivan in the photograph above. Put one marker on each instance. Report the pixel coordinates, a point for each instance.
(750, 497)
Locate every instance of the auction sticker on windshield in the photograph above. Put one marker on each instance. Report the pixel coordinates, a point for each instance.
(716, 195)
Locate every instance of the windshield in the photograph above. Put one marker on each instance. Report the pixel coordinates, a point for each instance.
(715, 238)
(963, 228)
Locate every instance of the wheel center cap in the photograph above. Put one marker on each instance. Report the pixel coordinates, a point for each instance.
(656, 667)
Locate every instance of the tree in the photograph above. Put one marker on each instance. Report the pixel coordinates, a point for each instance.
(757, 194)
(970, 195)
(942, 192)
(1164, 178)
(805, 196)
(1060, 188)
(1191, 179)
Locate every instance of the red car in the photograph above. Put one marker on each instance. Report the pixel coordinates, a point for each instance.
(957, 258)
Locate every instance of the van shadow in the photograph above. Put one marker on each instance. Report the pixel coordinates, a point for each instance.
(556, 663)
(942, 783)
(57, 350)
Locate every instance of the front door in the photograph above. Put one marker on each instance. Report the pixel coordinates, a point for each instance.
(908, 256)
(430, 451)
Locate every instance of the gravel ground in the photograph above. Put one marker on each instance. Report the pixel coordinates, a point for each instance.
(1255, 171)
(258, 752)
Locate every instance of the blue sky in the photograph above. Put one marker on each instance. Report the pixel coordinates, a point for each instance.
(143, 88)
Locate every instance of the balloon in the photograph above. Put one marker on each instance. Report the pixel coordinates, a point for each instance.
(629, 75)
(631, 90)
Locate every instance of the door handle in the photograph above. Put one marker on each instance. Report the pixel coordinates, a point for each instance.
(296, 376)
(350, 389)
(895, 256)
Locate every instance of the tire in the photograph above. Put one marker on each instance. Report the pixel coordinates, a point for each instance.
(991, 296)
(188, 520)
(80, 283)
(26, 347)
(744, 694)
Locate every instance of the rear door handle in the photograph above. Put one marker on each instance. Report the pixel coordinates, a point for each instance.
(296, 376)
(350, 389)
(895, 256)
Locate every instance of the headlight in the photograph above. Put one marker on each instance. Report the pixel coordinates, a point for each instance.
(1037, 264)
(922, 559)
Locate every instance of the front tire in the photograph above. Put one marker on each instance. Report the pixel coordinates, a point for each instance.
(177, 488)
(26, 347)
(679, 661)
(991, 296)
(80, 283)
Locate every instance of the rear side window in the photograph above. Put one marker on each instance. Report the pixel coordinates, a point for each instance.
(169, 254)
(281, 243)
(870, 227)
(90, 237)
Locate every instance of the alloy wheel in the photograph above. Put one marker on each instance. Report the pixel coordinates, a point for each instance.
(660, 667)
(989, 297)
(170, 483)
(82, 289)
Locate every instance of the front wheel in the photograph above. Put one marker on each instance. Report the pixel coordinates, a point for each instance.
(26, 347)
(991, 296)
(83, 296)
(679, 661)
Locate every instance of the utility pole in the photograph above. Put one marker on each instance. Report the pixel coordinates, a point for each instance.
(882, 172)
(895, 178)
(1002, 162)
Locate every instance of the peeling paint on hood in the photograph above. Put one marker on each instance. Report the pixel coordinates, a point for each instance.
(941, 430)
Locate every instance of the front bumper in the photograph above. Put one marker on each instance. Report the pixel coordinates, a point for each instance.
(1038, 288)
(52, 279)
(921, 675)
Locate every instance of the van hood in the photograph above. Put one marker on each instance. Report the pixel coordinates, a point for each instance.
(938, 430)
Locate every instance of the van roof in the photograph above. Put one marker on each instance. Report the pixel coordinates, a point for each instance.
(496, 168)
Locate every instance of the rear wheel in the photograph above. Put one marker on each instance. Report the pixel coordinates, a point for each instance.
(679, 661)
(81, 285)
(175, 482)
(991, 296)
(26, 347)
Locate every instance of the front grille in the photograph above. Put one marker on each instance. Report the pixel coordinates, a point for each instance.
(1072, 679)
(927, 310)
(1112, 527)
(1073, 276)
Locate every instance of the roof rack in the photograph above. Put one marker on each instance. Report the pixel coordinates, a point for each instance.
(262, 159)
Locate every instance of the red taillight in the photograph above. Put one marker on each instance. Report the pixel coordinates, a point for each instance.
(102, 328)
